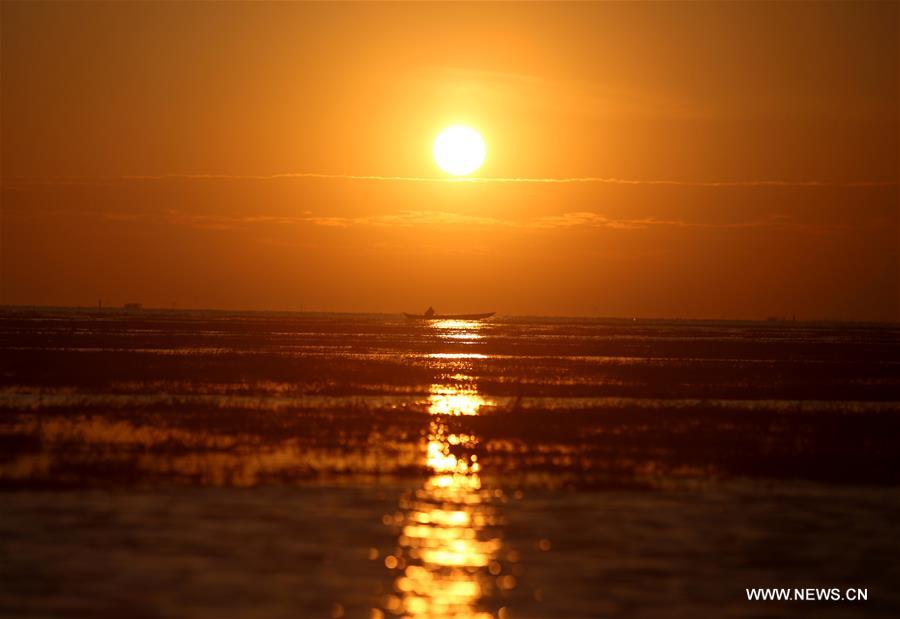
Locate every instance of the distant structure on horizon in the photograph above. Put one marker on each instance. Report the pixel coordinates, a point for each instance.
(133, 306)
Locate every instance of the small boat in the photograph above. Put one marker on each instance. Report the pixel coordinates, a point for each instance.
(430, 314)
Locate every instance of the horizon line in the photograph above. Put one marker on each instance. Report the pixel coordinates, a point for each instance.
(153, 309)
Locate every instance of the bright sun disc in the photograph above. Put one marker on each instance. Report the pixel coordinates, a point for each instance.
(459, 150)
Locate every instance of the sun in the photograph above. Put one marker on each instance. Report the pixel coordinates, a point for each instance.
(459, 150)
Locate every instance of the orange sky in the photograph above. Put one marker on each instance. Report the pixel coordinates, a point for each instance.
(719, 99)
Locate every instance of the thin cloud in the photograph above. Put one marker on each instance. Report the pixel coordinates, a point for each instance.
(405, 219)
(583, 219)
(596, 220)
(18, 182)
(412, 218)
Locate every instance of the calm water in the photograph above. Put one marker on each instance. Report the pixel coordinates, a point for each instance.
(201, 464)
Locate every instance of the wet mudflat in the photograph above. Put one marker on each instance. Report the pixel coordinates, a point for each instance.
(208, 464)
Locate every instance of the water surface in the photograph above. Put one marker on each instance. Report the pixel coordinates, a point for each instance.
(211, 464)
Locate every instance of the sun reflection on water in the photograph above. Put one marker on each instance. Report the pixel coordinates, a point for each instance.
(453, 399)
(458, 330)
(449, 558)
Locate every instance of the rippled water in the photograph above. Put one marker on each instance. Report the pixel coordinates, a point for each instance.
(202, 464)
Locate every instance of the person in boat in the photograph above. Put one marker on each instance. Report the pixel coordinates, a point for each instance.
(429, 312)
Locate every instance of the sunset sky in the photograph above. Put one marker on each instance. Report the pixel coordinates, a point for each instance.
(649, 160)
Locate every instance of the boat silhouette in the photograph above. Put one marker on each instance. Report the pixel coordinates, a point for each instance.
(430, 314)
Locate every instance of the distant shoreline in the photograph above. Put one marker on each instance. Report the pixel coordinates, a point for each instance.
(499, 316)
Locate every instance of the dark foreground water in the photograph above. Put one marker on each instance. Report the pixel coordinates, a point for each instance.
(163, 464)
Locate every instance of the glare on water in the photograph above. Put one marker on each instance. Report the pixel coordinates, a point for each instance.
(458, 330)
(449, 558)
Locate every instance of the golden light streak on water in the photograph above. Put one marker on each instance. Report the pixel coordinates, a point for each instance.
(458, 330)
(449, 545)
